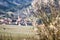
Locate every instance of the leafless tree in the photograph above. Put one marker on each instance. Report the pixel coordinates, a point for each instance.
(50, 20)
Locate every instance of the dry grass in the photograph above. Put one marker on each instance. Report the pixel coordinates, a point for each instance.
(44, 33)
(14, 32)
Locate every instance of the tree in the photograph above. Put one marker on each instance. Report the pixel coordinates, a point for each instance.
(50, 20)
(10, 14)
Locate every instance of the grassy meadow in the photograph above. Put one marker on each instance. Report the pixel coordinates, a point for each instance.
(15, 32)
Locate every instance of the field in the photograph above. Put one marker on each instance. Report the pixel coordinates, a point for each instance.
(15, 32)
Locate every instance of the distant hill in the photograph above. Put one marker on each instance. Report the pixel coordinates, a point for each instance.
(13, 5)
